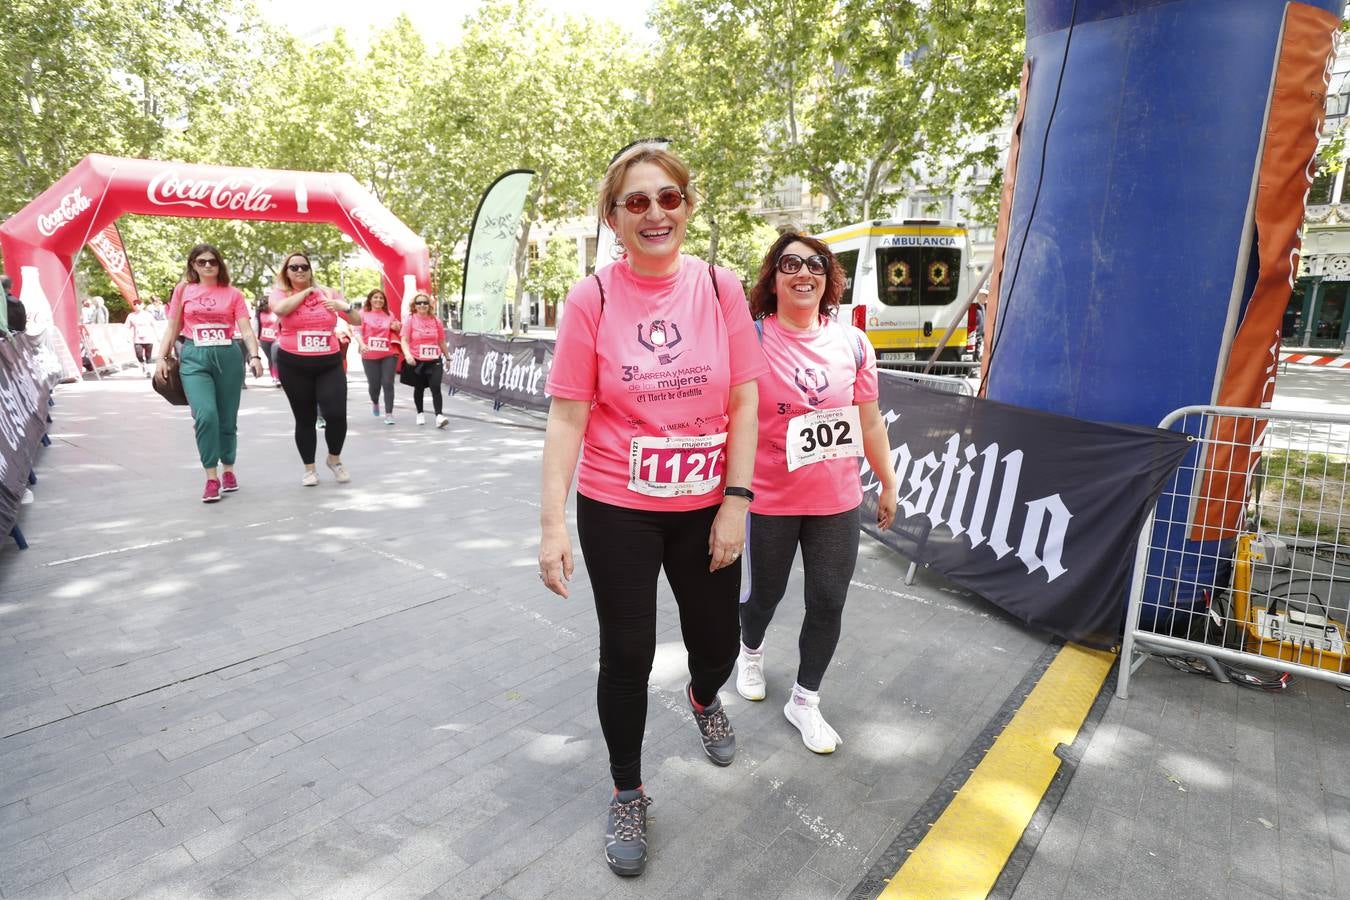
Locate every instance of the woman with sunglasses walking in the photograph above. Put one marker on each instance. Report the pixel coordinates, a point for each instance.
(817, 416)
(267, 337)
(377, 341)
(310, 362)
(422, 339)
(654, 374)
(206, 310)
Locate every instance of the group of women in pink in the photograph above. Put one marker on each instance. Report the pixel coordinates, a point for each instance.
(691, 413)
(297, 328)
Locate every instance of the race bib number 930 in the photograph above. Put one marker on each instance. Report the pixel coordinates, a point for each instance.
(823, 434)
(676, 466)
(211, 336)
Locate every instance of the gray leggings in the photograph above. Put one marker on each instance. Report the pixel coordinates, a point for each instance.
(829, 553)
(380, 376)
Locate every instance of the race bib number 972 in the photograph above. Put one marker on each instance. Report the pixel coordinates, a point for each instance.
(676, 466)
(823, 434)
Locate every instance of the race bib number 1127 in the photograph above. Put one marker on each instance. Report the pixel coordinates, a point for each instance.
(676, 466)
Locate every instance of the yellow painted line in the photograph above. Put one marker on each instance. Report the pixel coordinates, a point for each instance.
(966, 849)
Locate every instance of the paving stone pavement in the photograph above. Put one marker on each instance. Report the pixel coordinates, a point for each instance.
(362, 691)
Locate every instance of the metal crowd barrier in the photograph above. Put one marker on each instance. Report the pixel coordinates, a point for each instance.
(948, 384)
(1269, 596)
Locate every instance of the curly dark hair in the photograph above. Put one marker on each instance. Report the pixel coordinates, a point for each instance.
(763, 300)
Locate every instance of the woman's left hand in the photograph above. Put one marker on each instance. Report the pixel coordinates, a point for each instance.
(886, 504)
(255, 365)
(727, 538)
(336, 305)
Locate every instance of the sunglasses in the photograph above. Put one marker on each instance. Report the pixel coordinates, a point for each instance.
(791, 264)
(638, 203)
(298, 267)
(206, 262)
(420, 303)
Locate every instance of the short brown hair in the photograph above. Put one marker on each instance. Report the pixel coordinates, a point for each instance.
(640, 153)
(764, 301)
(284, 280)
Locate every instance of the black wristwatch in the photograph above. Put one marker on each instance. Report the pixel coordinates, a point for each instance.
(733, 491)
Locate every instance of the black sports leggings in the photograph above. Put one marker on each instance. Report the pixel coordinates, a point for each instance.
(380, 376)
(829, 554)
(314, 385)
(625, 550)
(432, 379)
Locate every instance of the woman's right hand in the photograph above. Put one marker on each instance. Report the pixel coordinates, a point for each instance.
(408, 358)
(162, 366)
(555, 559)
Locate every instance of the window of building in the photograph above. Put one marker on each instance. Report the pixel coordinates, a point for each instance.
(1324, 182)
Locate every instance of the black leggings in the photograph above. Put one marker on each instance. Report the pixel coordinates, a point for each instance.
(432, 379)
(144, 353)
(380, 376)
(314, 385)
(829, 554)
(625, 550)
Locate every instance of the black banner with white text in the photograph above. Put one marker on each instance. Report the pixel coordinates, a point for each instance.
(511, 372)
(29, 369)
(1036, 512)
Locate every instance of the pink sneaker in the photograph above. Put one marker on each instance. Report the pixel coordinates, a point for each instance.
(228, 482)
(212, 492)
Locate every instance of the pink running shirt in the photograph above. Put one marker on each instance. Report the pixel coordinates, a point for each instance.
(375, 334)
(307, 330)
(142, 326)
(425, 335)
(658, 362)
(268, 324)
(809, 371)
(210, 312)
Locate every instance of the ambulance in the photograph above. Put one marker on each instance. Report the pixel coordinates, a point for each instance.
(907, 282)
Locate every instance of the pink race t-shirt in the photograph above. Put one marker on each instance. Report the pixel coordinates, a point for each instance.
(209, 312)
(142, 326)
(267, 326)
(657, 364)
(375, 334)
(307, 330)
(424, 335)
(811, 371)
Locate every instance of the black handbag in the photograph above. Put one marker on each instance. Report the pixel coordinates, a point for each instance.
(170, 384)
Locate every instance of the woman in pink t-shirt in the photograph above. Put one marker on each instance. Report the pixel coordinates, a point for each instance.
(422, 341)
(268, 327)
(817, 416)
(309, 361)
(654, 375)
(377, 341)
(207, 311)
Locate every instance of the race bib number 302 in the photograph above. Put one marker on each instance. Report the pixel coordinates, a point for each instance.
(823, 434)
(211, 336)
(312, 341)
(676, 466)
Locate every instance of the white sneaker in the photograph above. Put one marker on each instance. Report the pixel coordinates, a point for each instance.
(310, 478)
(442, 421)
(389, 419)
(750, 674)
(421, 418)
(803, 711)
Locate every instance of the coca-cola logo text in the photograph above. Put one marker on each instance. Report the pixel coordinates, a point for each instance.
(72, 205)
(112, 256)
(234, 193)
(376, 221)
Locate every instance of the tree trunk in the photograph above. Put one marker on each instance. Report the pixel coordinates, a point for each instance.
(714, 230)
(522, 257)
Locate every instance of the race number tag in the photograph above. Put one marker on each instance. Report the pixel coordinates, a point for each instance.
(313, 342)
(823, 434)
(211, 336)
(377, 344)
(676, 466)
(428, 351)
(268, 333)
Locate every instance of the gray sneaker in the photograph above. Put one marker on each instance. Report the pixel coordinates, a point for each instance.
(719, 741)
(626, 833)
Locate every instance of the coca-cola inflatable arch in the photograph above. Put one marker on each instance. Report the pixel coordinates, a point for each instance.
(43, 238)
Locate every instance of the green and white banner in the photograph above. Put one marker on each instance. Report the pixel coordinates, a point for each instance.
(491, 250)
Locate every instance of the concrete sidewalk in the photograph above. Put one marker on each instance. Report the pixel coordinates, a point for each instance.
(362, 690)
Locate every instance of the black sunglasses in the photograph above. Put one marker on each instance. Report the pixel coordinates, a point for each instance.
(298, 267)
(791, 264)
(206, 262)
(421, 303)
(638, 203)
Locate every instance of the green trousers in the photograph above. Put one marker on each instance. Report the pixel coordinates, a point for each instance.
(213, 379)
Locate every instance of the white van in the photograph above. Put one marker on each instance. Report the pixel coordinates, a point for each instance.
(906, 283)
